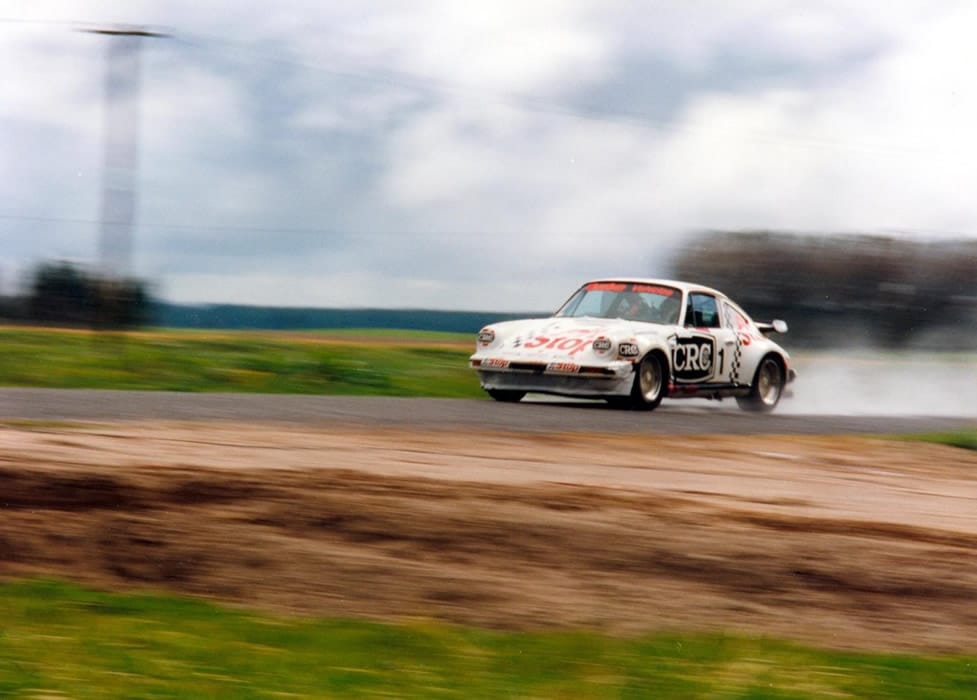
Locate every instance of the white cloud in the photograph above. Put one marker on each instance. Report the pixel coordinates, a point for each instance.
(322, 153)
(499, 47)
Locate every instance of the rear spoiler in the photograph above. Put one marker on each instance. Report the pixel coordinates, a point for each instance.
(775, 326)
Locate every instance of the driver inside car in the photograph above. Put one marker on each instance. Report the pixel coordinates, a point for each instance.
(668, 310)
(633, 308)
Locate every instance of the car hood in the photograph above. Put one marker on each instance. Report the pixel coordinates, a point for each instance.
(566, 338)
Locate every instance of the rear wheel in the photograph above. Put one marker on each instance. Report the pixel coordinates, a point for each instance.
(767, 387)
(506, 395)
(648, 389)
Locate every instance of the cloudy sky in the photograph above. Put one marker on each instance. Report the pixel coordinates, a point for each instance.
(484, 156)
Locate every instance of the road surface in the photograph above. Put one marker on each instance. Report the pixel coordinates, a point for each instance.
(546, 415)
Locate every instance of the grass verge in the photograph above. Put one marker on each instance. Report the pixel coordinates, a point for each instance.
(60, 640)
(966, 439)
(391, 363)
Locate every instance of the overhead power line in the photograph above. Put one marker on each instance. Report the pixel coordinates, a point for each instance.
(525, 102)
(534, 103)
(962, 235)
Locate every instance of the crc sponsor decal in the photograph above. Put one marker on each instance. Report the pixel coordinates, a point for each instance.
(628, 350)
(692, 358)
(563, 367)
(486, 336)
(602, 344)
(495, 363)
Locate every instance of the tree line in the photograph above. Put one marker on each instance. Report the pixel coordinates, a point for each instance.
(836, 290)
(64, 294)
(833, 291)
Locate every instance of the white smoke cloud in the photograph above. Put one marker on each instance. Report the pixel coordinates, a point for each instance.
(896, 385)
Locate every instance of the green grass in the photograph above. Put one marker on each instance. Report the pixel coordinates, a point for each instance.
(966, 439)
(390, 363)
(59, 640)
(385, 335)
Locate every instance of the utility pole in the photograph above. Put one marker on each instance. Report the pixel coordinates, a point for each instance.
(121, 149)
(120, 163)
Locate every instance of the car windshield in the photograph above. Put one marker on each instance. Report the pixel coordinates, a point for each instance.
(633, 301)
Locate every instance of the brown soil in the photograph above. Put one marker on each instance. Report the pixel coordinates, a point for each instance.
(843, 542)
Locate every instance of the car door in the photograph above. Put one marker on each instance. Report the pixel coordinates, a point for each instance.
(748, 344)
(704, 348)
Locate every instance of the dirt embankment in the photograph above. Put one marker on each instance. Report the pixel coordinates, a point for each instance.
(845, 542)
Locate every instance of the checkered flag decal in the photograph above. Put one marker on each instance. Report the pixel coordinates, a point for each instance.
(735, 366)
(734, 376)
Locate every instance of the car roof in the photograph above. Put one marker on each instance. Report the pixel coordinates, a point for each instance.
(684, 286)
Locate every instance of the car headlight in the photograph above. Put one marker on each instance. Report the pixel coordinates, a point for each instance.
(486, 337)
(602, 345)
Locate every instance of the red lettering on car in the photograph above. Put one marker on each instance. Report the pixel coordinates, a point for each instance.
(571, 346)
(660, 291)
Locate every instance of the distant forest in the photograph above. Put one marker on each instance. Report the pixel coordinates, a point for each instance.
(833, 290)
(64, 294)
(230, 316)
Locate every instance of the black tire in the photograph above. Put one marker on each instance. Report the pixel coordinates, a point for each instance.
(506, 395)
(650, 383)
(767, 387)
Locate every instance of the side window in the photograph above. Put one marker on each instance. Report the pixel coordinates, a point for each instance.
(705, 311)
(735, 320)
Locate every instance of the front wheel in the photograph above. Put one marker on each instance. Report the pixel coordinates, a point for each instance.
(648, 389)
(506, 395)
(767, 387)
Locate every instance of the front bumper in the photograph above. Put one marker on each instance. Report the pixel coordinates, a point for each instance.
(611, 379)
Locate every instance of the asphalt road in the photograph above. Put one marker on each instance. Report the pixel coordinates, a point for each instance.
(546, 416)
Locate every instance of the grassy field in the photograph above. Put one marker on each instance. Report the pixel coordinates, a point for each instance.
(58, 640)
(965, 439)
(386, 363)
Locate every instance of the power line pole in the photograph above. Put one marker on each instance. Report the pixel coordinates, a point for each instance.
(119, 168)
(121, 149)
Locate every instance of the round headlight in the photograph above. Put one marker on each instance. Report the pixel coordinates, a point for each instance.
(602, 344)
(486, 336)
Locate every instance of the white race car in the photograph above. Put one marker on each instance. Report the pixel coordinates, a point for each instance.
(633, 342)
